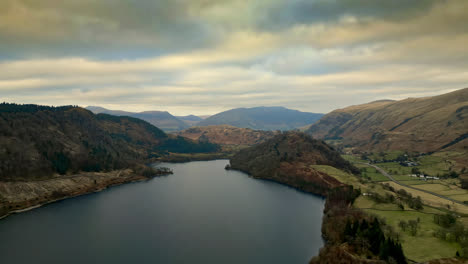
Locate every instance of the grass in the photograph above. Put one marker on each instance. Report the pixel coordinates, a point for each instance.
(350, 179)
(434, 165)
(340, 175)
(353, 158)
(395, 168)
(388, 155)
(434, 187)
(432, 200)
(415, 247)
(459, 197)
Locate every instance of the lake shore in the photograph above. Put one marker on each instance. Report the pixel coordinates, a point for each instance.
(22, 196)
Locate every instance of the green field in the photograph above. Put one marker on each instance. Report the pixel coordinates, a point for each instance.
(387, 155)
(371, 173)
(415, 247)
(353, 158)
(434, 165)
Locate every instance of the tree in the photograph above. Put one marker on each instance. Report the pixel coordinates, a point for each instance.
(413, 225)
(403, 225)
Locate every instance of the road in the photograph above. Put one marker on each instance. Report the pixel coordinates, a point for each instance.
(409, 186)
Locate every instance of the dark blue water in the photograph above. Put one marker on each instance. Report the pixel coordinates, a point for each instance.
(200, 214)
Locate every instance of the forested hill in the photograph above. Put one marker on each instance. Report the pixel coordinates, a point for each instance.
(287, 158)
(39, 141)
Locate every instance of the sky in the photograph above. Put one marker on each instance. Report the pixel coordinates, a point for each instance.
(206, 56)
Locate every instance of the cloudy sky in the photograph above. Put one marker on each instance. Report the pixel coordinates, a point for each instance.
(206, 56)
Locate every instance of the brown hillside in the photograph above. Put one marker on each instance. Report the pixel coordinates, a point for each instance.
(286, 158)
(426, 124)
(227, 135)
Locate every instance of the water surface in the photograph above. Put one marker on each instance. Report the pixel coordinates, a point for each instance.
(200, 214)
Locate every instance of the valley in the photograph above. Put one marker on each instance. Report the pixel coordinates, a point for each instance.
(379, 170)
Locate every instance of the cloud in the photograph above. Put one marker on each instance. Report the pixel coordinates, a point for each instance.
(204, 56)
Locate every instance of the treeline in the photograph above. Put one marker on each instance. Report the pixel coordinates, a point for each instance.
(368, 236)
(364, 236)
(412, 202)
(38, 141)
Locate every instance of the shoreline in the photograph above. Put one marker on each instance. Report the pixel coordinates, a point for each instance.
(76, 189)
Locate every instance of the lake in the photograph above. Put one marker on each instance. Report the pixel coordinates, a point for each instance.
(200, 214)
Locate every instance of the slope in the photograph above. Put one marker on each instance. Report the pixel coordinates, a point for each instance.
(426, 124)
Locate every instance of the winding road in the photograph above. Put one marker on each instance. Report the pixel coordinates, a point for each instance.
(409, 186)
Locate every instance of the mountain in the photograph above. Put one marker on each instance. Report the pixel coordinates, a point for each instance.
(42, 141)
(190, 120)
(227, 135)
(286, 158)
(160, 119)
(262, 118)
(427, 124)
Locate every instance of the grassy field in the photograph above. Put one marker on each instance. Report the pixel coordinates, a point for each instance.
(434, 165)
(432, 200)
(395, 168)
(388, 155)
(415, 247)
(372, 174)
(353, 159)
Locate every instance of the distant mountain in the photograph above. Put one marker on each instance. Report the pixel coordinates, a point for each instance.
(227, 135)
(160, 119)
(262, 118)
(190, 120)
(425, 124)
(41, 141)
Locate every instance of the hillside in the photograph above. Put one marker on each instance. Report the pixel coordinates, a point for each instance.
(426, 124)
(227, 135)
(262, 118)
(287, 158)
(160, 119)
(40, 141)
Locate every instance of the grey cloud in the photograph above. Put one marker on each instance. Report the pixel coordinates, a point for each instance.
(95, 28)
(284, 14)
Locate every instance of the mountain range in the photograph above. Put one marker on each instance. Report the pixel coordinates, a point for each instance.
(262, 118)
(258, 118)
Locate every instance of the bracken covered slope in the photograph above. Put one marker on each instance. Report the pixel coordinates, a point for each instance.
(286, 158)
(426, 124)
